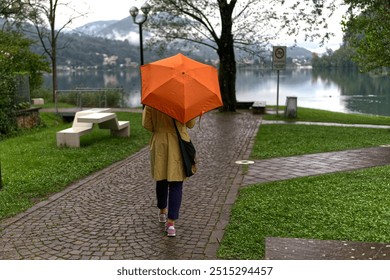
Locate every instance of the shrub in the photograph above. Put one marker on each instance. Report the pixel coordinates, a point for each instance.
(7, 114)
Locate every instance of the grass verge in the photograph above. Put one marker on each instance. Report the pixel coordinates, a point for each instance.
(315, 115)
(342, 206)
(33, 167)
(280, 140)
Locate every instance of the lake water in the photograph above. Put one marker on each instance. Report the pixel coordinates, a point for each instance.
(340, 91)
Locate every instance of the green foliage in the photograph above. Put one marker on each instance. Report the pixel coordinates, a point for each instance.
(109, 98)
(22, 105)
(8, 8)
(341, 58)
(15, 57)
(16, 53)
(7, 92)
(367, 29)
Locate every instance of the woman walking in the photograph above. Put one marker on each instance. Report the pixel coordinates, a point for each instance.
(166, 163)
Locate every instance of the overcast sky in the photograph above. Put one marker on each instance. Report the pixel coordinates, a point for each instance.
(118, 9)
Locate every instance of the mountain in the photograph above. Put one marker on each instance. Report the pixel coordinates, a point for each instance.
(298, 53)
(93, 28)
(115, 43)
(124, 29)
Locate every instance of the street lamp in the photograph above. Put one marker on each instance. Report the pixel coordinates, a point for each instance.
(140, 19)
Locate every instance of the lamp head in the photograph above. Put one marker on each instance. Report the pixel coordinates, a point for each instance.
(145, 8)
(134, 12)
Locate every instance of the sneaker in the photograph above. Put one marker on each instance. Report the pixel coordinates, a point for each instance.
(171, 231)
(162, 217)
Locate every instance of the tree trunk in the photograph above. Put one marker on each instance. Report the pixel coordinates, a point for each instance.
(227, 78)
(227, 67)
(53, 45)
(54, 75)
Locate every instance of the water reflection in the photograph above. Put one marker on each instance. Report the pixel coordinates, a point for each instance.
(364, 93)
(342, 91)
(128, 80)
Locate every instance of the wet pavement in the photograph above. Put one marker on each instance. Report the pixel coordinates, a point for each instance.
(112, 215)
(312, 249)
(284, 168)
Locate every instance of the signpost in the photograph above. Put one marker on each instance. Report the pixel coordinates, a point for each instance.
(278, 63)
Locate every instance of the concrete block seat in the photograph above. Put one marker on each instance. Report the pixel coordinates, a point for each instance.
(258, 107)
(83, 123)
(118, 128)
(71, 136)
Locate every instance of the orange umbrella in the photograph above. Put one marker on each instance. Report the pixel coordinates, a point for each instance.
(180, 87)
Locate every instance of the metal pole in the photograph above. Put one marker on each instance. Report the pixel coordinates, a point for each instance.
(56, 100)
(141, 47)
(277, 95)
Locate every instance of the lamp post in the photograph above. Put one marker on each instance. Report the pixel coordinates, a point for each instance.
(140, 19)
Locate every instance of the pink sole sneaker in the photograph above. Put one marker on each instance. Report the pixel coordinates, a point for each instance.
(171, 231)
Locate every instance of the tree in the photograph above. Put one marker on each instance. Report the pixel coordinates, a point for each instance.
(340, 58)
(9, 8)
(367, 31)
(43, 15)
(227, 26)
(13, 11)
(16, 57)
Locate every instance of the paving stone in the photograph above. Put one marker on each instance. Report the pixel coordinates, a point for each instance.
(111, 214)
(312, 249)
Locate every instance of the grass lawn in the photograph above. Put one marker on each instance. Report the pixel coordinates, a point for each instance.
(342, 206)
(33, 167)
(315, 115)
(280, 140)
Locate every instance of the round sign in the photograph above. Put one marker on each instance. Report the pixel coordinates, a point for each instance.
(279, 53)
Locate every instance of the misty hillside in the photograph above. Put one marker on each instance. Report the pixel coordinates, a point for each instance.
(116, 43)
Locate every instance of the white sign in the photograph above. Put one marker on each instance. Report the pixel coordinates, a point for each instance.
(279, 58)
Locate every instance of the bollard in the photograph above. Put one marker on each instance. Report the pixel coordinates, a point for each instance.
(291, 107)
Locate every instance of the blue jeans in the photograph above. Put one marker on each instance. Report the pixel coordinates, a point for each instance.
(169, 195)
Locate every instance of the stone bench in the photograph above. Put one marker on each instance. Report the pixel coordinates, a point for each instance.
(83, 123)
(71, 136)
(38, 101)
(118, 128)
(258, 107)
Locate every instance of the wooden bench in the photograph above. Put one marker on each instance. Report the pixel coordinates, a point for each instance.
(83, 123)
(258, 107)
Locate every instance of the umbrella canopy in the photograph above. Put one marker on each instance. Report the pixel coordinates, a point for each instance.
(180, 87)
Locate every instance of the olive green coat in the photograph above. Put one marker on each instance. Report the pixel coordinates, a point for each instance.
(165, 156)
